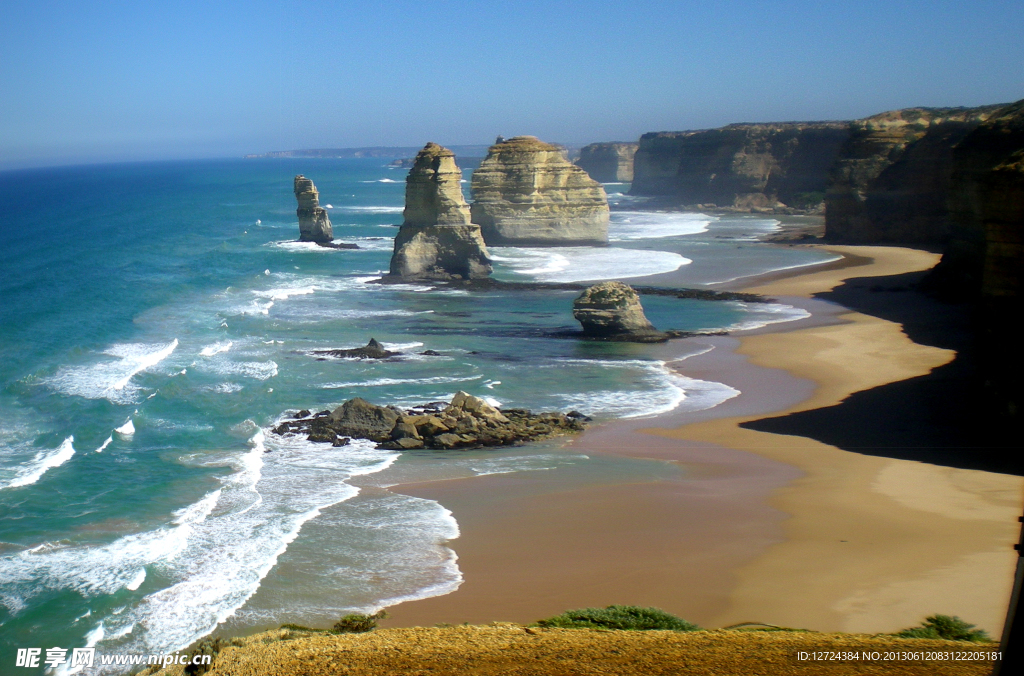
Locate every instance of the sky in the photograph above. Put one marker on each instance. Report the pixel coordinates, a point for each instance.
(99, 81)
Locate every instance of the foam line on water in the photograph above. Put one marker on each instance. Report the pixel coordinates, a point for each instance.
(831, 259)
(381, 382)
(42, 463)
(127, 429)
(216, 348)
(111, 379)
(105, 444)
(633, 225)
(584, 264)
(767, 313)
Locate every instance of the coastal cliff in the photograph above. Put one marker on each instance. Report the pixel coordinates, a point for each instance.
(608, 162)
(740, 166)
(526, 193)
(890, 183)
(437, 240)
(314, 224)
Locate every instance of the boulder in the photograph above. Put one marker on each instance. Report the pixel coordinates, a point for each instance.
(314, 224)
(612, 311)
(437, 240)
(525, 193)
(361, 419)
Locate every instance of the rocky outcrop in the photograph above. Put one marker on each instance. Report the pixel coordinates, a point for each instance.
(437, 240)
(740, 166)
(372, 350)
(314, 224)
(890, 183)
(465, 422)
(608, 162)
(525, 193)
(612, 311)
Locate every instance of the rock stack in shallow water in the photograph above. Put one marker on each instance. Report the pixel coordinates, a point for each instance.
(525, 193)
(437, 240)
(612, 311)
(314, 225)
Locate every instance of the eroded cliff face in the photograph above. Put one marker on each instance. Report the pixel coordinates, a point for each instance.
(890, 183)
(525, 193)
(437, 240)
(740, 166)
(985, 255)
(608, 162)
(314, 224)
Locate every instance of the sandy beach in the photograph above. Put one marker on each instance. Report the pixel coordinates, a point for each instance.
(746, 525)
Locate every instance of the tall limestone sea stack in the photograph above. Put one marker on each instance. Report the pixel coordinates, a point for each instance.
(525, 193)
(608, 162)
(314, 224)
(436, 240)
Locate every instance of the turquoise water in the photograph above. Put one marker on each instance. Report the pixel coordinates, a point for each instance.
(157, 319)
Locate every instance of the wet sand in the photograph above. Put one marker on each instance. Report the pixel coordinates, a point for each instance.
(756, 526)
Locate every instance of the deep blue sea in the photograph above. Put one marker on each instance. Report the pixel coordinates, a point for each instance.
(157, 319)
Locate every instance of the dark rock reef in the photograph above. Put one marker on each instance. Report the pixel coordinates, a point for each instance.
(372, 350)
(740, 166)
(608, 162)
(890, 183)
(612, 311)
(466, 422)
(314, 224)
(525, 193)
(437, 240)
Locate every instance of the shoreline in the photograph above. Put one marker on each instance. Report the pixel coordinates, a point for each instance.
(744, 532)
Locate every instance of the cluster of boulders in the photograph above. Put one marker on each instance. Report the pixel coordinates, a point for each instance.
(465, 422)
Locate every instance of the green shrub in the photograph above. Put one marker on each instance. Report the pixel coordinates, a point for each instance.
(357, 623)
(944, 626)
(618, 617)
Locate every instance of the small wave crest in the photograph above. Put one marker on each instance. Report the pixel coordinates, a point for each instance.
(43, 462)
(582, 264)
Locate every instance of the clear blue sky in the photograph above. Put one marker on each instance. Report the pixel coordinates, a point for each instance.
(101, 81)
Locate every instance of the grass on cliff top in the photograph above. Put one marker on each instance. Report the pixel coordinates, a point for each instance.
(634, 618)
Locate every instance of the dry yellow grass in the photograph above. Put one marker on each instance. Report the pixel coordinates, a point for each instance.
(511, 649)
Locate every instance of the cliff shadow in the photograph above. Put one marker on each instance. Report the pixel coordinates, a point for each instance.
(940, 418)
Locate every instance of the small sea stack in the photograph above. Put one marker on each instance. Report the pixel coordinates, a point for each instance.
(525, 193)
(612, 311)
(314, 224)
(437, 240)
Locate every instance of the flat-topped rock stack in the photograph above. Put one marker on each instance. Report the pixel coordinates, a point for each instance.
(525, 193)
(437, 240)
(612, 311)
(314, 224)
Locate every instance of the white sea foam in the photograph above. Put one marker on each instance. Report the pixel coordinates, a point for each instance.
(525, 463)
(137, 581)
(216, 348)
(665, 391)
(127, 429)
(105, 444)
(374, 210)
(765, 314)
(111, 379)
(43, 462)
(580, 264)
(831, 259)
(632, 225)
(381, 180)
(492, 401)
(258, 370)
(382, 382)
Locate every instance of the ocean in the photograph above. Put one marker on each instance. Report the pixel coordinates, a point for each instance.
(157, 320)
